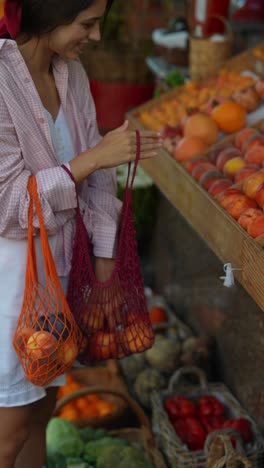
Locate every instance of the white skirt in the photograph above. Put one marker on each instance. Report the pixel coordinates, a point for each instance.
(15, 389)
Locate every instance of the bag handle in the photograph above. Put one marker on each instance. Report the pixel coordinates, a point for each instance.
(49, 264)
(128, 187)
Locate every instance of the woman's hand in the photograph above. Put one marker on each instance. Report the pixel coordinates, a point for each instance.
(116, 148)
(119, 146)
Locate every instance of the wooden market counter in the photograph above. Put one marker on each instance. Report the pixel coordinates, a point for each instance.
(214, 225)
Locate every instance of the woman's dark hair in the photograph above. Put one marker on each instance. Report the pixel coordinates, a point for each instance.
(43, 16)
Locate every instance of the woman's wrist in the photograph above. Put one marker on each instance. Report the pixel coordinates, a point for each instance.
(84, 165)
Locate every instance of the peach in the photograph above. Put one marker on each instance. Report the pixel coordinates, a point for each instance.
(248, 215)
(21, 338)
(252, 183)
(201, 168)
(227, 195)
(246, 171)
(41, 345)
(190, 165)
(103, 345)
(188, 148)
(209, 177)
(138, 337)
(68, 351)
(216, 150)
(232, 166)
(260, 195)
(256, 228)
(225, 155)
(242, 136)
(84, 344)
(219, 186)
(252, 141)
(238, 204)
(202, 126)
(255, 155)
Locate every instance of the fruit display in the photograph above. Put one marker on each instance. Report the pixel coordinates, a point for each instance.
(85, 407)
(194, 419)
(193, 96)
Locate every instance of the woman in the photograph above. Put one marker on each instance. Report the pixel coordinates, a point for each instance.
(47, 117)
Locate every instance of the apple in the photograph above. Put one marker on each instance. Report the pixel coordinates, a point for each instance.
(248, 216)
(219, 186)
(21, 338)
(41, 345)
(67, 352)
(103, 345)
(252, 183)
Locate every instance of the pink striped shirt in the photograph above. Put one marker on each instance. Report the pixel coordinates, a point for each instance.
(26, 148)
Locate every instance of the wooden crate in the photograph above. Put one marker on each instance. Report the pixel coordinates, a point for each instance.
(228, 240)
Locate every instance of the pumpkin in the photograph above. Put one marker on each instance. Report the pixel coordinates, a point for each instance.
(230, 117)
(188, 148)
(248, 98)
(201, 126)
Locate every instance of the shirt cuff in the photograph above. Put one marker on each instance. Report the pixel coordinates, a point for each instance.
(58, 188)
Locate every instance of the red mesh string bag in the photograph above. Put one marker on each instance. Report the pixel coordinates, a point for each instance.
(112, 315)
(47, 337)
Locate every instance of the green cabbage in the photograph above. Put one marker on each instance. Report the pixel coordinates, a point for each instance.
(63, 438)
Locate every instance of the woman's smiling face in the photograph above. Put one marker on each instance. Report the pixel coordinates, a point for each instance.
(69, 41)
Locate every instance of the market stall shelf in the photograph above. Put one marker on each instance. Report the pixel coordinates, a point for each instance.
(228, 240)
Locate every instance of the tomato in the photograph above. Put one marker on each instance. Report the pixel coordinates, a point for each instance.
(157, 315)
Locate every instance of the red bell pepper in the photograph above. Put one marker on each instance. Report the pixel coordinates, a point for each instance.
(210, 406)
(195, 434)
(181, 429)
(172, 409)
(241, 425)
(179, 407)
(212, 423)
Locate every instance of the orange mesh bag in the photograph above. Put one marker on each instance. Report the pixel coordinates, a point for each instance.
(46, 338)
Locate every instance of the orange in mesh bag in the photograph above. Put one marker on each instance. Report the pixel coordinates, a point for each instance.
(46, 338)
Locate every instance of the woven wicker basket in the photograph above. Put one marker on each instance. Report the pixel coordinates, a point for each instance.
(221, 452)
(141, 437)
(177, 453)
(108, 375)
(206, 56)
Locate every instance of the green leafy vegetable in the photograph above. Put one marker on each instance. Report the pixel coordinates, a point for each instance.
(63, 438)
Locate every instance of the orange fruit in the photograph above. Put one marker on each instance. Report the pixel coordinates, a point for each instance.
(230, 117)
